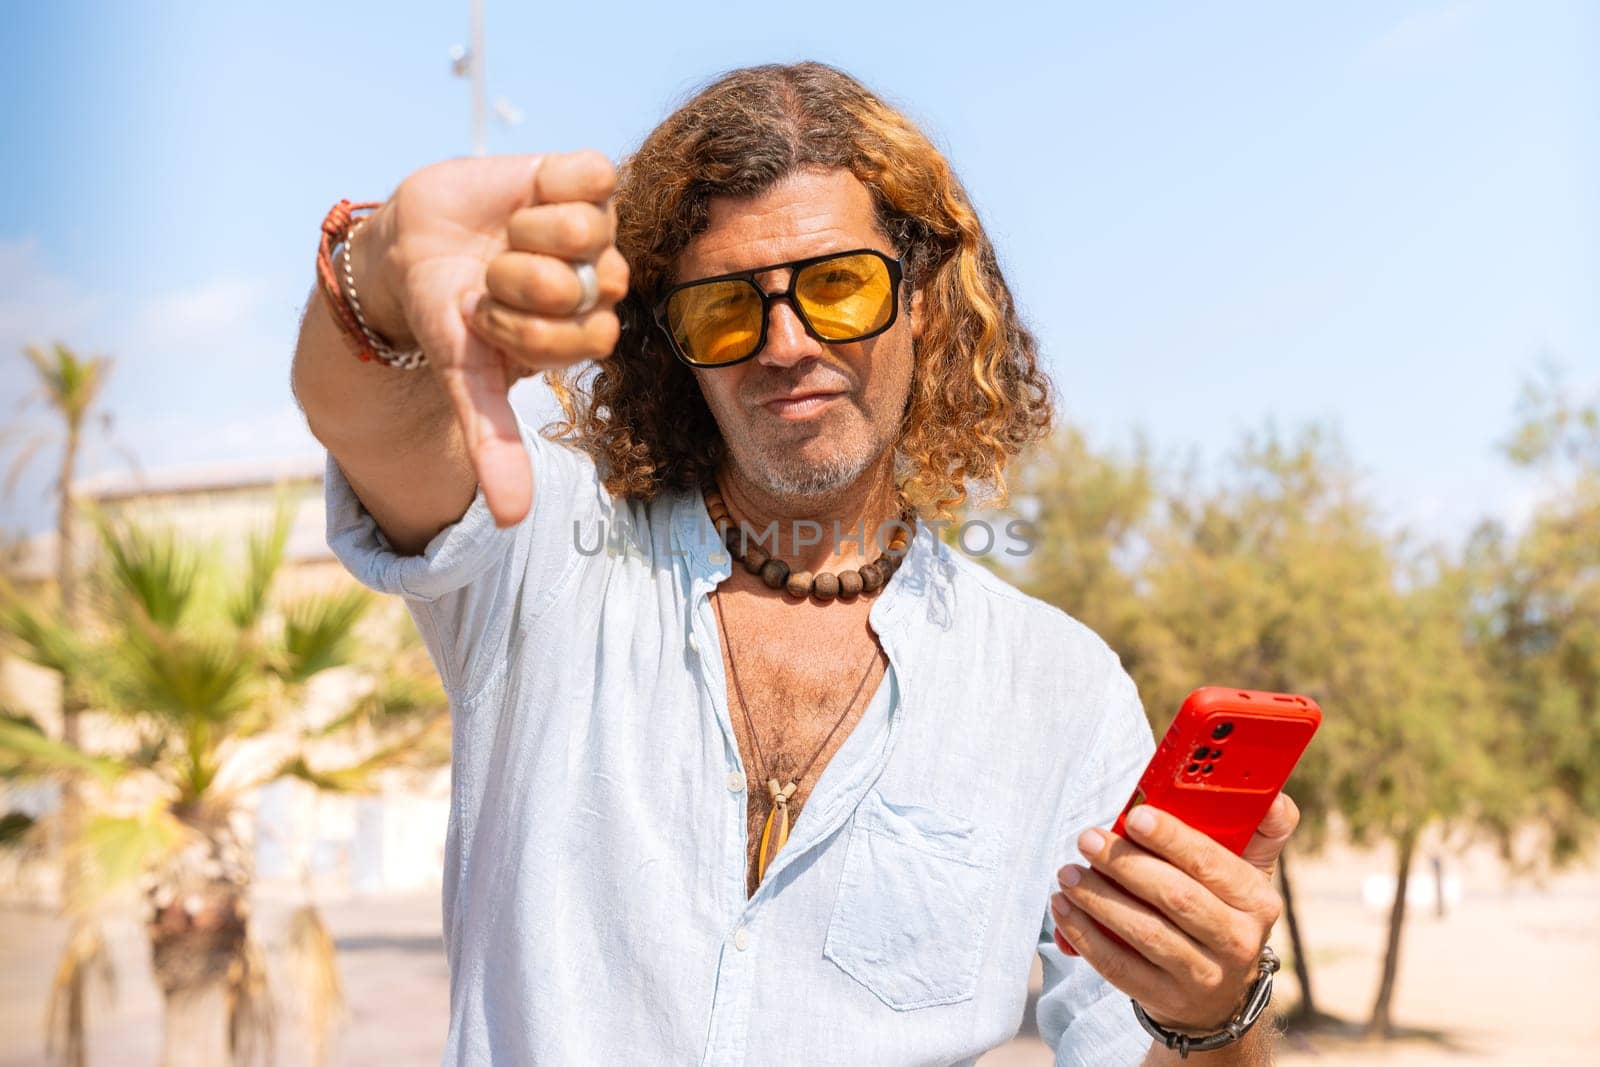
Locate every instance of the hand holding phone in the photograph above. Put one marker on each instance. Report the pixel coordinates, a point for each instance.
(1163, 903)
(1224, 760)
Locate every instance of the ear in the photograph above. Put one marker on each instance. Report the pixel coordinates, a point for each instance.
(916, 315)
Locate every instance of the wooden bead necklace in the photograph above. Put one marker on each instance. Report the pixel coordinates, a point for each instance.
(825, 585)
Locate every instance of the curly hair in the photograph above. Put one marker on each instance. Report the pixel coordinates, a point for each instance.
(978, 395)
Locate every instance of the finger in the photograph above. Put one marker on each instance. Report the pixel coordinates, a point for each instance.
(1266, 844)
(1146, 930)
(586, 175)
(544, 285)
(574, 231)
(1149, 878)
(1077, 934)
(1239, 884)
(542, 341)
(612, 274)
(477, 383)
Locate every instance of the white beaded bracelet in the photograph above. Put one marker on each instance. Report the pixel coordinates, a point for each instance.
(408, 359)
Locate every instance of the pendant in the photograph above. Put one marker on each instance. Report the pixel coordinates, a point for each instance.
(780, 808)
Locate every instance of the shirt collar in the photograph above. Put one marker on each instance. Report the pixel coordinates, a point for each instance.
(924, 579)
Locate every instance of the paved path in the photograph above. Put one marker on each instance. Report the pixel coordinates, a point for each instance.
(1508, 977)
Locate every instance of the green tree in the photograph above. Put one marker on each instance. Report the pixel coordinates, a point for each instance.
(1276, 575)
(1423, 753)
(69, 388)
(1090, 526)
(1538, 625)
(1272, 578)
(200, 679)
(1281, 578)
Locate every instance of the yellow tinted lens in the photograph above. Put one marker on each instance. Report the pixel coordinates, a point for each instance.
(717, 322)
(846, 298)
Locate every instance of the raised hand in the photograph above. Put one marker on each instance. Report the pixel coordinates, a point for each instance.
(474, 259)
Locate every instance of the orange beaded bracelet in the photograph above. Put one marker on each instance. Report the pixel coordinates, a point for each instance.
(338, 228)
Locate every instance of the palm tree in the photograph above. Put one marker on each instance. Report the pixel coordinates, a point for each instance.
(204, 681)
(69, 386)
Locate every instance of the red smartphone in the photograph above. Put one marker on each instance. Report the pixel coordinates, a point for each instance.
(1223, 762)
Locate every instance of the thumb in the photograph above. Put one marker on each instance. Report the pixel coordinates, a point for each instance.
(1266, 844)
(477, 384)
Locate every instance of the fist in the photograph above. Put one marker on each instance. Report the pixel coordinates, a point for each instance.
(475, 260)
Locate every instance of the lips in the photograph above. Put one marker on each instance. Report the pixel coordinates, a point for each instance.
(801, 394)
(801, 403)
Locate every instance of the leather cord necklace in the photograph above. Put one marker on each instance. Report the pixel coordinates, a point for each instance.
(780, 792)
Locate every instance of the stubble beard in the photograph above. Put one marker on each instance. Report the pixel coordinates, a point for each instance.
(783, 475)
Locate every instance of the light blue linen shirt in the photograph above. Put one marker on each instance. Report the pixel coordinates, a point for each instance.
(594, 890)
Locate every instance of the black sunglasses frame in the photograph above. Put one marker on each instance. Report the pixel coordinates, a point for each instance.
(896, 273)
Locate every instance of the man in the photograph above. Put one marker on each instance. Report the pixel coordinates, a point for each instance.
(812, 804)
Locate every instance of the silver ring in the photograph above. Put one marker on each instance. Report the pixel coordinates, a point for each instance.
(589, 282)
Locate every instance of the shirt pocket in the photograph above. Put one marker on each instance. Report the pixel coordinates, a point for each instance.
(914, 903)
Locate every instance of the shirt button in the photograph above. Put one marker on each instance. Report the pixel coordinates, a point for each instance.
(741, 939)
(735, 781)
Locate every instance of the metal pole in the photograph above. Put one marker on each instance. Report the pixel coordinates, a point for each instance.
(480, 107)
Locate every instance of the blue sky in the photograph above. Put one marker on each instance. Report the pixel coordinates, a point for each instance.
(1381, 215)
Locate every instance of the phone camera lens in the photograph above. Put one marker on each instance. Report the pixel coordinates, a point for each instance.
(1222, 729)
(1193, 767)
(1202, 752)
(1207, 769)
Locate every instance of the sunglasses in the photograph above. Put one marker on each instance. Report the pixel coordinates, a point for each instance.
(839, 297)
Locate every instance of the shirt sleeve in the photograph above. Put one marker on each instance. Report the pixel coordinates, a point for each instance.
(1082, 1017)
(466, 586)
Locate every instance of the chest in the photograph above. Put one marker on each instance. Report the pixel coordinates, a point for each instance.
(795, 693)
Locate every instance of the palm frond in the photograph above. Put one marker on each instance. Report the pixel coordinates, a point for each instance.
(66, 1019)
(71, 384)
(399, 697)
(185, 678)
(314, 962)
(20, 462)
(37, 635)
(318, 633)
(425, 745)
(265, 557)
(152, 569)
(251, 1019)
(27, 751)
(111, 851)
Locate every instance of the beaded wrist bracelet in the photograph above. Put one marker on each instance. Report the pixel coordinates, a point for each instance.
(339, 290)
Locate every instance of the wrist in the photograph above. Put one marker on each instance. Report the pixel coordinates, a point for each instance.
(376, 272)
(1190, 1026)
(1185, 1040)
(1254, 1049)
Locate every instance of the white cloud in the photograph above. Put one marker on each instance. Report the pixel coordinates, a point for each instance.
(37, 307)
(33, 302)
(1422, 39)
(211, 311)
(283, 431)
(172, 351)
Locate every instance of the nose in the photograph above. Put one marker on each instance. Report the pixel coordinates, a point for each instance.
(787, 340)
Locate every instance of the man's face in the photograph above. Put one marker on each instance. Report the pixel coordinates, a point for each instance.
(803, 419)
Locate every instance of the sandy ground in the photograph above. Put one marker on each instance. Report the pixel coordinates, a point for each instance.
(1508, 976)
